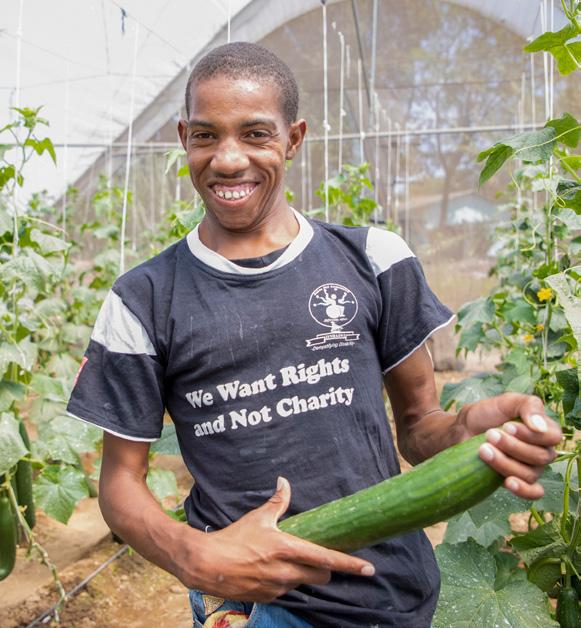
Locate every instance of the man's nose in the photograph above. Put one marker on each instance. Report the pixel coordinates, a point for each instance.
(229, 158)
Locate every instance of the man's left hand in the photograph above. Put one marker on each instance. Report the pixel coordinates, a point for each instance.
(517, 450)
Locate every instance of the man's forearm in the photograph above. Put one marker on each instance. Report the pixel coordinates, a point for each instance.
(131, 511)
(426, 435)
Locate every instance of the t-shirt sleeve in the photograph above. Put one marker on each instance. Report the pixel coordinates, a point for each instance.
(119, 386)
(410, 311)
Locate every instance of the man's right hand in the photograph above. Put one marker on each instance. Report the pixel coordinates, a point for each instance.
(252, 560)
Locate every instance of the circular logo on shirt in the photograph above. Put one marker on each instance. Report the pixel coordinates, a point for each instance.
(332, 305)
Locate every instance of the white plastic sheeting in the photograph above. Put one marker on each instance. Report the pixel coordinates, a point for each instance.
(77, 56)
(76, 61)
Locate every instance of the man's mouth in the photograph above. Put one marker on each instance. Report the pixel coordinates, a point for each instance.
(233, 193)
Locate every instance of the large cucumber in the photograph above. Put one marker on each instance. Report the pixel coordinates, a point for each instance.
(24, 481)
(8, 535)
(442, 486)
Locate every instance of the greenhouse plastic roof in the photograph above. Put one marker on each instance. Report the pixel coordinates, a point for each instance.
(77, 61)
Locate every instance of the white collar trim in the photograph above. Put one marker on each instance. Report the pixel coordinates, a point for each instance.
(217, 261)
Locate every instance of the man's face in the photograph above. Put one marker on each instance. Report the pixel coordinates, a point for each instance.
(237, 142)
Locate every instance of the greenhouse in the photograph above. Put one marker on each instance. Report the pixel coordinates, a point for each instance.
(290, 313)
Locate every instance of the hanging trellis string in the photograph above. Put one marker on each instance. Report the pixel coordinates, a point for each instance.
(360, 106)
(407, 189)
(128, 157)
(396, 179)
(377, 170)
(341, 98)
(388, 182)
(229, 18)
(545, 59)
(66, 151)
(326, 109)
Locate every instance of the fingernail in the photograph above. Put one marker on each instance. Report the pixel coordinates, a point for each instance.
(486, 452)
(537, 421)
(512, 485)
(509, 428)
(279, 483)
(368, 570)
(493, 436)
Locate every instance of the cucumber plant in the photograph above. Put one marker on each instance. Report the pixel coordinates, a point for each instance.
(533, 318)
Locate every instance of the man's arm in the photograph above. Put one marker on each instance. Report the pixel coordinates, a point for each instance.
(519, 451)
(250, 560)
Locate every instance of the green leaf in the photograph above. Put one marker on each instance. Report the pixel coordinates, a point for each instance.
(552, 500)
(567, 54)
(544, 541)
(24, 354)
(63, 366)
(531, 146)
(6, 222)
(10, 392)
(568, 57)
(567, 129)
(495, 161)
(462, 527)
(570, 383)
(569, 193)
(172, 156)
(499, 506)
(58, 489)
(507, 569)
(162, 483)
(471, 337)
(63, 438)
(549, 40)
(568, 217)
(183, 171)
(47, 243)
(519, 311)
(12, 447)
(469, 390)
(167, 443)
(50, 388)
(470, 597)
(571, 161)
(478, 311)
(40, 146)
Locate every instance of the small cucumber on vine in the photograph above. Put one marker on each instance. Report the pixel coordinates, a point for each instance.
(8, 535)
(24, 481)
(444, 485)
(568, 614)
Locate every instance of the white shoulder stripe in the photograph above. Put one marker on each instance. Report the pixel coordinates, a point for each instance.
(119, 330)
(385, 248)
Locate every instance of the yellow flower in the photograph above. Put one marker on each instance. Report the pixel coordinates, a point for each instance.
(539, 327)
(545, 294)
(528, 338)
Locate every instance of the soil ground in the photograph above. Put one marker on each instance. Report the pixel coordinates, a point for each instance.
(130, 592)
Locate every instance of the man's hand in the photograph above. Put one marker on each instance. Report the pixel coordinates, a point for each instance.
(254, 561)
(516, 450)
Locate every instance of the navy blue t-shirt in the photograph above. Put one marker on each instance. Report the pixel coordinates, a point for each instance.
(275, 368)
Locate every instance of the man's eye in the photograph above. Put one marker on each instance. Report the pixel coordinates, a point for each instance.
(201, 135)
(258, 134)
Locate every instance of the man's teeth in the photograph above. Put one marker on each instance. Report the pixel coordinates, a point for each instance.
(227, 194)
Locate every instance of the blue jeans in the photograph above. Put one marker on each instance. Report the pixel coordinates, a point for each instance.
(259, 615)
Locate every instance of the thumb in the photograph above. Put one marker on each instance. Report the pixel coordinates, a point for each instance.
(278, 504)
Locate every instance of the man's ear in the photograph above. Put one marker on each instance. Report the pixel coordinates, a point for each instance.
(297, 132)
(183, 133)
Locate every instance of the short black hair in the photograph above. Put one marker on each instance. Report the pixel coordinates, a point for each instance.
(250, 61)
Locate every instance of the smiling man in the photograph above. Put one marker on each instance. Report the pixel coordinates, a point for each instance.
(269, 338)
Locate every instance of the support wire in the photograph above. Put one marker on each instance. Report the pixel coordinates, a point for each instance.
(128, 158)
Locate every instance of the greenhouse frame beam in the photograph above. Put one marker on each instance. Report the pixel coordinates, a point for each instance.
(320, 138)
